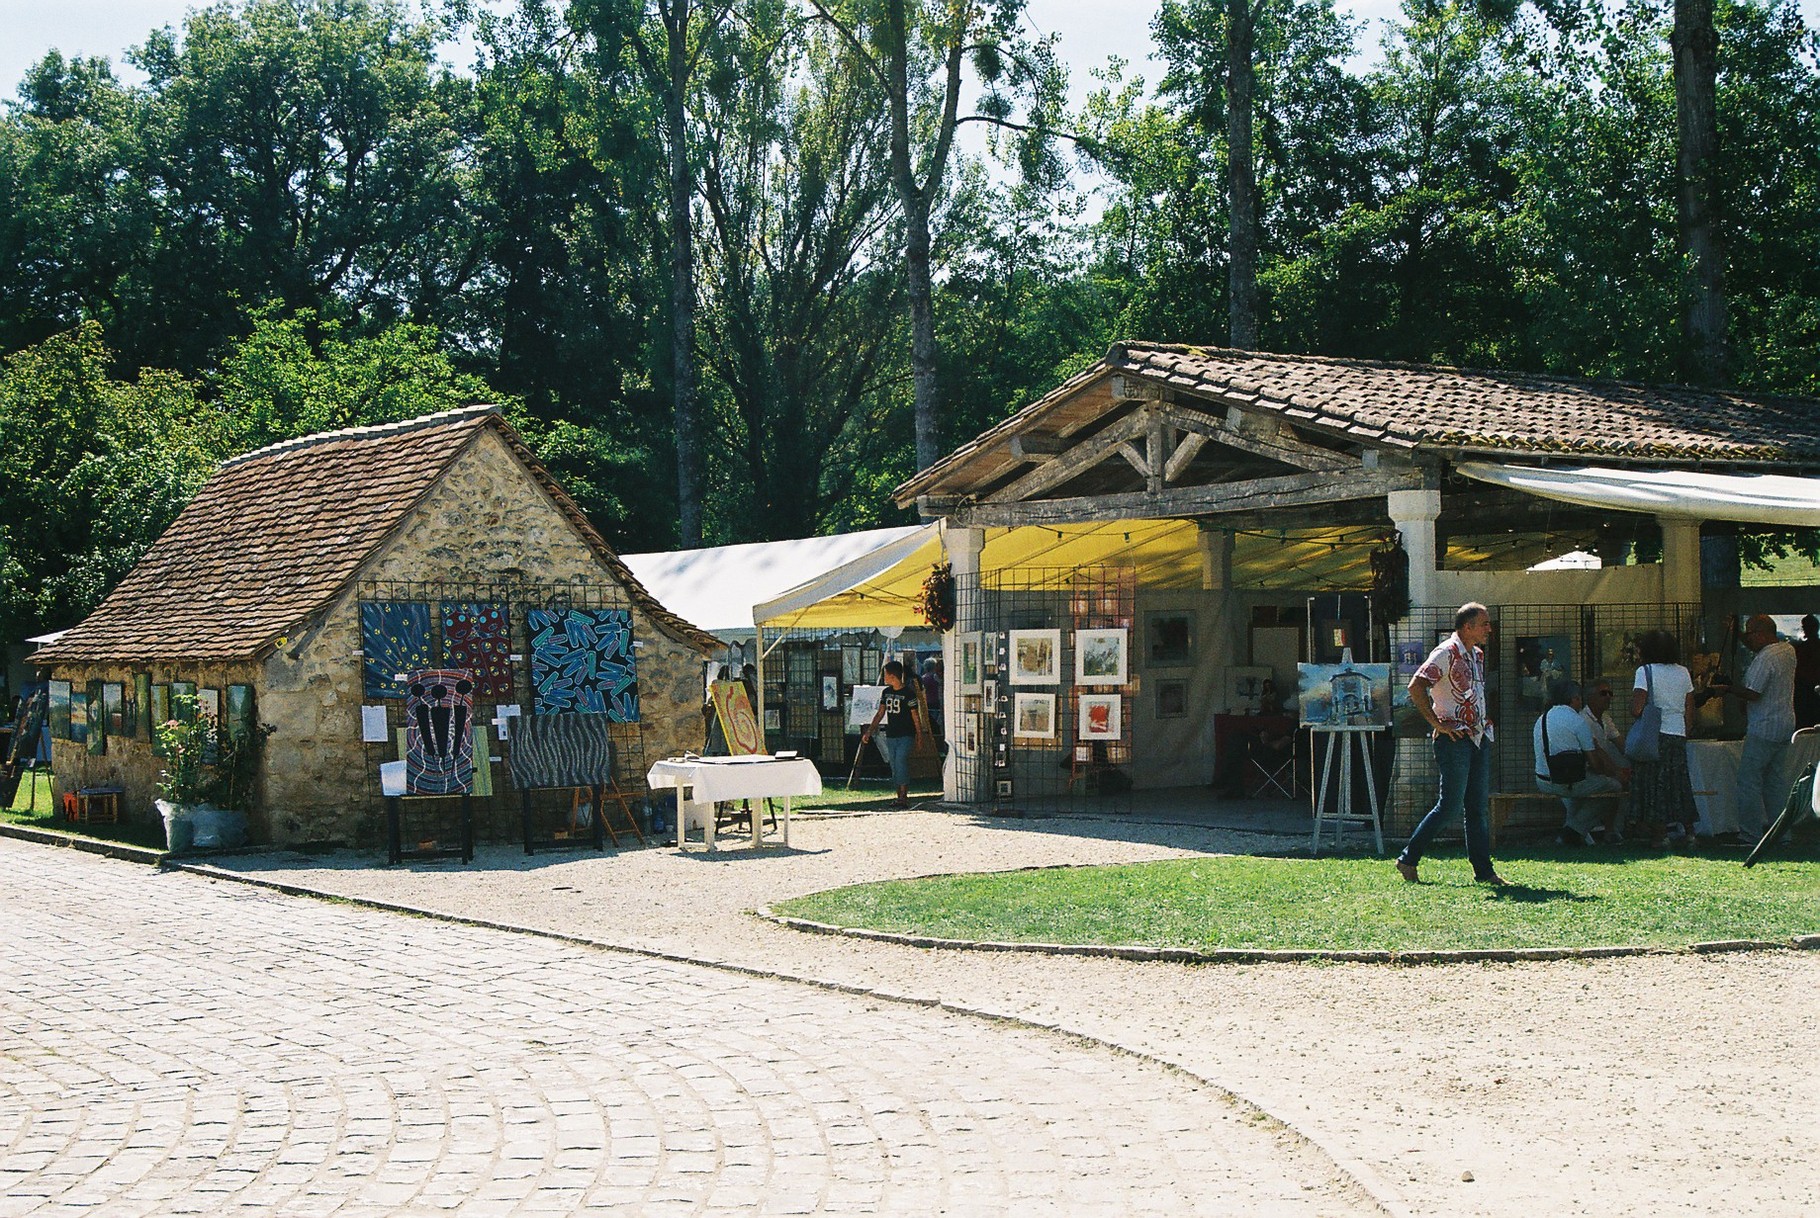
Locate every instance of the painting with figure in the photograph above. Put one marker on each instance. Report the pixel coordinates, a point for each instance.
(394, 641)
(476, 638)
(113, 707)
(1343, 695)
(582, 660)
(439, 732)
(1542, 660)
(60, 692)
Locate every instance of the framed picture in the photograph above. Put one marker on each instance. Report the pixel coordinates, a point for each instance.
(208, 706)
(1102, 717)
(1343, 695)
(862, 704)
(160, 714)
(1033, 716)
(1036, 657)
(142, 705)
(60, 693)
(774, 719)
(1083, 753)
(79, 733)
(967, 739)
(969, 674)
(183, 700)
(989, 690)
(1169, 638)
(831, 691)
(1543, 660)
(1003, 789)
(239, 722)
(1100, 657)
(1171, 699)
(1245, 690)
(113, 707)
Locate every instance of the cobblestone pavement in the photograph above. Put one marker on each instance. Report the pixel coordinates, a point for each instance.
(175, 1044)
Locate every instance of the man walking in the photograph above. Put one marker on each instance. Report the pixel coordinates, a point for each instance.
(1448, 691)
(1768, 693)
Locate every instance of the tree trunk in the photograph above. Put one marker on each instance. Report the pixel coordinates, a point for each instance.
(1242, 187)
(1696, 46)
(684, 375)
(922, 334)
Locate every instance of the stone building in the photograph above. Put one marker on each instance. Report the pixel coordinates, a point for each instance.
(262, 584)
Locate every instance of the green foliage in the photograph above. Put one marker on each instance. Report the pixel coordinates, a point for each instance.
(185, 741)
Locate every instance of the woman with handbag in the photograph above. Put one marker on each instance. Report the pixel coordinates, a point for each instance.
(1661, 797)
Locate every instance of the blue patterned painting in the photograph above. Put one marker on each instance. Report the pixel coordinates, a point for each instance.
(394, 640)
(581, 661)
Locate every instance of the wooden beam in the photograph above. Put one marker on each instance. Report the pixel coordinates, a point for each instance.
(1138, 461)
(1279, 447)
(1183, 455)
(1077, 460)
(1037, 448)
(1285, 492)
(1136, 389)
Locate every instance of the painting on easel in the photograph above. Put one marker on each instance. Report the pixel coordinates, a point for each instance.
(738, 723)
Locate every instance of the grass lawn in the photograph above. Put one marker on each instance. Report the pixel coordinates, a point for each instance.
(43, 815)
(1558, 899)
(866, 793)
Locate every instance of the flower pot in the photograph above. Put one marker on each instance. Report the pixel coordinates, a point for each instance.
(200, 827)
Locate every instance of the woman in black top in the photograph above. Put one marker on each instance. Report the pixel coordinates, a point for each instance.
(903, 726)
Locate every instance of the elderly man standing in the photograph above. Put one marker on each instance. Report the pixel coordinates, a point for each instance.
(1568, 761)
(1449, 693)
(1768, 693)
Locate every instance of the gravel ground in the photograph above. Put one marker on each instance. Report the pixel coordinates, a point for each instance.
(1652, 1085)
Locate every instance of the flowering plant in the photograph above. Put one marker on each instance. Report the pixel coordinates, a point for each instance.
(937, 605)
(184, 741)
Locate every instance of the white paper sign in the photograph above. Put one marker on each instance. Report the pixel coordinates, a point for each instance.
(863, 704)
(372, 725)
(391, 778)
(502, 719)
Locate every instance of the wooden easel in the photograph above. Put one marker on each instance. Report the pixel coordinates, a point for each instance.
(1340, 740)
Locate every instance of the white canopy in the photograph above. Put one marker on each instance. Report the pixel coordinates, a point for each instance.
(716, 588)
(1776, 499)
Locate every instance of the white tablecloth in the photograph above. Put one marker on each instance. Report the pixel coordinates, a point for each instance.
(719, 779)
(1712, 765)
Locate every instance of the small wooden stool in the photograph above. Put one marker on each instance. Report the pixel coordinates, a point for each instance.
(99, 805)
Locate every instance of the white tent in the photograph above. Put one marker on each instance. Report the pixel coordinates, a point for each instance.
(1774, 499)
(716, 588)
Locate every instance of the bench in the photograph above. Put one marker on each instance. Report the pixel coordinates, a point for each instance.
(1532, 810)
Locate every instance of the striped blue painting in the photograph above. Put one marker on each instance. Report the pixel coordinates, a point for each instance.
(581, 662)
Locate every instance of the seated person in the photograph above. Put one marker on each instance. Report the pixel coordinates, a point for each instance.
(1562, 732)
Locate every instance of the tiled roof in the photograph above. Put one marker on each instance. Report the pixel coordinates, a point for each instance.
(276, 535)
(1451, 410)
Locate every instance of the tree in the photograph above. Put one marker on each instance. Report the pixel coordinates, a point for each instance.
(916, 52)
(1696, 49)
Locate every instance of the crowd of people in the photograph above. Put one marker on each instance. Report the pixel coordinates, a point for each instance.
(1606, 782)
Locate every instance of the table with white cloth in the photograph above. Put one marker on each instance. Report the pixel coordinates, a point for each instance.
(702, 782)
(1712, 768)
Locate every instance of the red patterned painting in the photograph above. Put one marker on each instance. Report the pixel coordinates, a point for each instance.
(476, 637)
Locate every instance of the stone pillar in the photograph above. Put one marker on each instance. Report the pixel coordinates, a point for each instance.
(1414, 514)
(1216, 557)
(1680, 560)
(964, 547)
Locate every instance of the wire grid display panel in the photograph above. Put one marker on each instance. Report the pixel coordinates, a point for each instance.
(434, 818)
(1056, 770)
(798, 668)
(1531, 646)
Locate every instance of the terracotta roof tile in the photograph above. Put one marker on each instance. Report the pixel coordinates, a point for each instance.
(276, 535)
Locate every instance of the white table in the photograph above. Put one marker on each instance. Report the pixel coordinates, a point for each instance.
(1712, 766)
(711, 780)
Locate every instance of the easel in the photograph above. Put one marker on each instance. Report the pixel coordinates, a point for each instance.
(1340, 740)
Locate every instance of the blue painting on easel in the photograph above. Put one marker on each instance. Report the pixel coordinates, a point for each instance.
(394, 642)
(581, 662)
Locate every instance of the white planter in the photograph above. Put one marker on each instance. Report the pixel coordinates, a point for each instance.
(200, 827)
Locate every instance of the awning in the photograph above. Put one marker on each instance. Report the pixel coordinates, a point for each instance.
(715, 588)
(1774, 499)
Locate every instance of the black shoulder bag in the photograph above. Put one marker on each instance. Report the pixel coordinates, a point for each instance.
(1563, 768)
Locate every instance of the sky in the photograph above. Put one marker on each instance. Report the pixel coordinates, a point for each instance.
(1089, 31)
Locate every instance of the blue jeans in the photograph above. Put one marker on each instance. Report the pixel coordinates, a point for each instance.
(897, 752)
(1465, 770)
(1759, 772)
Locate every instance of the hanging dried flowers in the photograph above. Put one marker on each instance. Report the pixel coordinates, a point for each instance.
(937, 605)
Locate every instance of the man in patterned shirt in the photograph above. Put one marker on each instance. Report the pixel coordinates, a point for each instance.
(1449, 693)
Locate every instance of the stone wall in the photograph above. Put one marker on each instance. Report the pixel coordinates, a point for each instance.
(486, 521)
(128, 761)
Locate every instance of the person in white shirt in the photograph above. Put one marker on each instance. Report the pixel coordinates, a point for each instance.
(1609, 758)
(1661, 797)
(1768, 693)
(1562, 739)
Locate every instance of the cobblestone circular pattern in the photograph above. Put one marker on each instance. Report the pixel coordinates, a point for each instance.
(177, 1045)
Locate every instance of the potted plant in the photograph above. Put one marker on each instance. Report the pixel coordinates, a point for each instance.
(186, 784)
